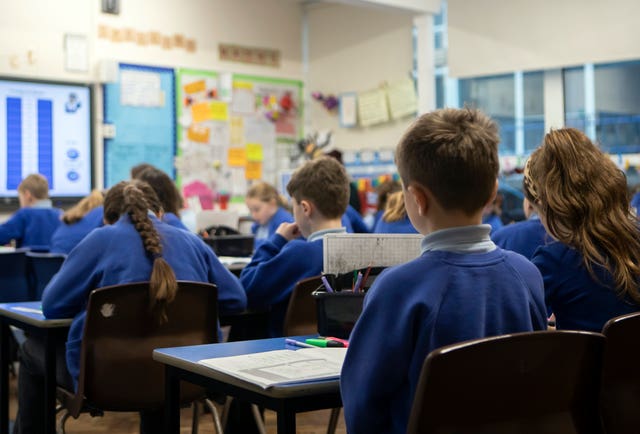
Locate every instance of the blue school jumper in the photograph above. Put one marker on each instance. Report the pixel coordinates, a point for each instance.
(275, 268)
(67, 236)
(263, 232)
(462, 287)
(522, 237)
(114, 254)
(578, 301)
(402, 226)
(494, 221)
(173, 220)
(355, 221)
(32, 226)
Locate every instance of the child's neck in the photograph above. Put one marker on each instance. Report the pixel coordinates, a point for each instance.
(453, 219)
(324, 224)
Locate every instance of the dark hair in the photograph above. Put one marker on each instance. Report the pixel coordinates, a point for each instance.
(453, 153)
(135, 170)
(135, 198)
(384, 190)
(582, 199)
(324, 182)
(164, 187)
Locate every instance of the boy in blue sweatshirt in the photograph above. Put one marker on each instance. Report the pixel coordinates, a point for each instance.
(36, 220)
(462, 286)
(319, 192)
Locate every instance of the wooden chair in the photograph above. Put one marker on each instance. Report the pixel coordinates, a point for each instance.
(301, 317)
(41, 267)
(539, 382)
(620, 396)
(117, 372)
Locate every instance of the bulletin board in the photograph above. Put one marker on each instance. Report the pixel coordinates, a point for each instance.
(140, 105)
(229, 128)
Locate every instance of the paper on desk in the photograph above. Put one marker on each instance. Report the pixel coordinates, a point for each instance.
(231, 260)
(281, 367)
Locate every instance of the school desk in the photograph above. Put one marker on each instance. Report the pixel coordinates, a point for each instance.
(181, 363)
(28, 316)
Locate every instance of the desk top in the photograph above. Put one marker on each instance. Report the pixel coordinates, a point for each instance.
(186, 358)
(30, 312)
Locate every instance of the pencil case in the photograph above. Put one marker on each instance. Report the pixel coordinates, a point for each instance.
(339, 310)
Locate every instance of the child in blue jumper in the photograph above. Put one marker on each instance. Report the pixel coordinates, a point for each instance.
(395, 219)
(36, 220)
(523, 237)
(462, 286)
(591, 272)
(268, 210)
(134, 246)
(77, 222)
(166, 191)
(319, 192)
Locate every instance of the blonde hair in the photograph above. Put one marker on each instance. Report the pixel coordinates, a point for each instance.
(583, 202)
(35, 184)
(395, 209)
(266, 192)
(86, 204)
(135, 198)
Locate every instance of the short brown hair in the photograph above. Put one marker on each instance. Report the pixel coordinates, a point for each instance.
(323, 181)
(453, 153)
(35, 184)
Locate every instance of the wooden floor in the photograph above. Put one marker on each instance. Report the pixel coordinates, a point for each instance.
(127, 423)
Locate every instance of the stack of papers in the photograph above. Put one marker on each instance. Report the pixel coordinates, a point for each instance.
(282, 367)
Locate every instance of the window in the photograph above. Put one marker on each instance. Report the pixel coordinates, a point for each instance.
(496, 97)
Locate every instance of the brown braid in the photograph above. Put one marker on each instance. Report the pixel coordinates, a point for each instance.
(136, 198)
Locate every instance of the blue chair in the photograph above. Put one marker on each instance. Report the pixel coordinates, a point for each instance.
(41, 267)
(14, 282)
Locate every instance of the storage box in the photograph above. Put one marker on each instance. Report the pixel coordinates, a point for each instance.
(338, 312)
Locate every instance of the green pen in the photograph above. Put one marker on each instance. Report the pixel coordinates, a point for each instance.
(324, 343)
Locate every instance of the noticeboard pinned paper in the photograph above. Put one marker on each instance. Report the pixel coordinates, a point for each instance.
(372, 107)
(403, 100)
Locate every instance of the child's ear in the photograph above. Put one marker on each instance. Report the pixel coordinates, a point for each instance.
(420, 197)
(306, 207)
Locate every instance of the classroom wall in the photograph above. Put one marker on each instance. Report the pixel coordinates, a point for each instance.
(344, 57)
(272, 24)
(489, 37)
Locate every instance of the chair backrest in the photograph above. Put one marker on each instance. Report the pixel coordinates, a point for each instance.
(41, 267)
(620, 395)
(538, 382)
(14, 282)
(301, 317)
(117, 371)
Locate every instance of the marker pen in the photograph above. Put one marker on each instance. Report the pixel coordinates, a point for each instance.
(325, 343)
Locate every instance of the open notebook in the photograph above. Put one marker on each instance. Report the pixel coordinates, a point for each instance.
(282, 367)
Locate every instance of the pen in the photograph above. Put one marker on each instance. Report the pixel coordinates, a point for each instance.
(356, 287)
(324, 343)
(325, 282)
(298, 343)
(366, 276)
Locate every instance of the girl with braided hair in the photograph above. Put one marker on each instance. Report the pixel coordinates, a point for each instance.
(591, 272)
(133, 246)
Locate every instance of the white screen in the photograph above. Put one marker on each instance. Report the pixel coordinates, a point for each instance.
(45, 128)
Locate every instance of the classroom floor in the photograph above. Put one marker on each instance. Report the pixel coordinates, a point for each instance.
(127, 423)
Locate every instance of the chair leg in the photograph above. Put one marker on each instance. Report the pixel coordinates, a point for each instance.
(214, 414)
(258, 418)
(62, 421)
(225, 410)
(333, 420)
(195, 420)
